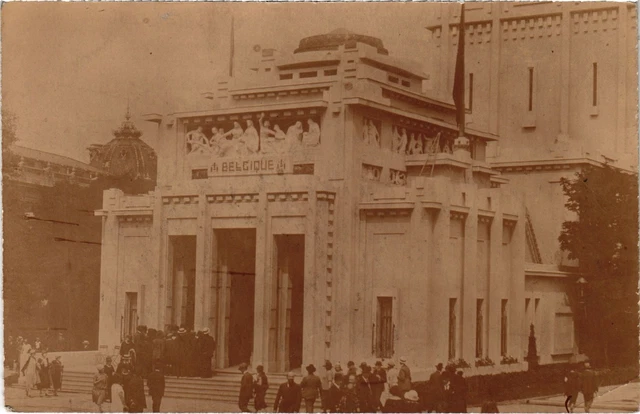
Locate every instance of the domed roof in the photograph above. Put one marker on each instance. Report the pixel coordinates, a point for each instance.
(336, 38)
(126, 155)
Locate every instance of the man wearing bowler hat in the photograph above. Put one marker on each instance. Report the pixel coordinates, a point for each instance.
(311, 387)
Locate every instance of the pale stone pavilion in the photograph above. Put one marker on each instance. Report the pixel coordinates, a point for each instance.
(323, 209)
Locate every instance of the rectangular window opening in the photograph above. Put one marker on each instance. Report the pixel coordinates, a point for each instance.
(452, 328)
(331, 72)
(470, 108)
(479, 327)
(286, 76)
(530, 89)
(393, 79)
(595, 84)
(503, 328)
(312, 74)
(406, 83)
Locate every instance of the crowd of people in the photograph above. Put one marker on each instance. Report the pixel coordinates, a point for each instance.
(378, 388)
(37, 371)
(181, 352)
(576, 382)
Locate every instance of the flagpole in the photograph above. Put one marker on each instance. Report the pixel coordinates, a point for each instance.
(231, 47)
(459, 79)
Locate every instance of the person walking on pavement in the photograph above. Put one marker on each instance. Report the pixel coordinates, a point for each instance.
(589, 386)
(327, 380)
(434, 398)
(260, 386)
(459, 391)
(99, 391)
(246, 388)
(404, 376)
(56, 374)
(118, 402)
(349, 403)
(378, 382)
(311, 388)
(136, 400)
(289, 396)
(109, 369)
(29, 371)
(155, 384)
(207, 348)
(571, 390)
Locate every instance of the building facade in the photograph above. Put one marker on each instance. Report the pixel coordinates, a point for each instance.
(323, 209)
(558, 83)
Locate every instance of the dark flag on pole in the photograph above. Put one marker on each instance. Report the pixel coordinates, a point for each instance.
(458, 81)
(231, 48)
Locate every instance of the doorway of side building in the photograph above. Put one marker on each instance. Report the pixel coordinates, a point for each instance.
(286, 326)
(182, 291)
(236, 254)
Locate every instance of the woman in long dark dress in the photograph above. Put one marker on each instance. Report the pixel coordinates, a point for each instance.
(56, 374)
(43, 373)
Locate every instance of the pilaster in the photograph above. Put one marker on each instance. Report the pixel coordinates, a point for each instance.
(313, 342)
(438, 282)
(516, 294)
(494, 85)
(497, 277)
(623, 64)
(201, 279)
(469, 291)
(110, 324)
(565, 67)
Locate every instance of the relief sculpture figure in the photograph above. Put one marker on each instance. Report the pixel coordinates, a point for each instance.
(312, 137)
(415, 146)
(197, 142)
(268, 142)
(250, 138)
(374, 135)
(294, 136)
(399, 140)
(235, 145)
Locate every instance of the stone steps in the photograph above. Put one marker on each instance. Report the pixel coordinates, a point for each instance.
(223, 387)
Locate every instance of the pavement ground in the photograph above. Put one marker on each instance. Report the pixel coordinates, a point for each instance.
(613, 399)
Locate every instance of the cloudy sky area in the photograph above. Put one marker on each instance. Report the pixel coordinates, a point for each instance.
(68, 69)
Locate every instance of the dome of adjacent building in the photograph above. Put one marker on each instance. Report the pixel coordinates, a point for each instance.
(126, 155)
(337, 38)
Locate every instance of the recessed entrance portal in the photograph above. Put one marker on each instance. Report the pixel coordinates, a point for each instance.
(181, 292)
(286, 328)
(236, 253)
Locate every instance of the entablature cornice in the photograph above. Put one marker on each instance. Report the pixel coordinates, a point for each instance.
(485, 215)
(252, 112)
(398, 208)
(509, 220)
(233, 198)
(135, 218)
(290, 196)
(187, 199)
(431, 205)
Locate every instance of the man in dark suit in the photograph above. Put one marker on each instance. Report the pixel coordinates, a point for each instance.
(589, 386)
(156, 383)
(311, 386)
(207, 348)
(289, 396)
(246, 388)
(435, 391)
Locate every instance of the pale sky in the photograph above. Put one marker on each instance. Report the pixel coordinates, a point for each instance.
(68, 69)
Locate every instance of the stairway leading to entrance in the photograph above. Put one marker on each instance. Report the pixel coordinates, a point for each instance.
(223, 387)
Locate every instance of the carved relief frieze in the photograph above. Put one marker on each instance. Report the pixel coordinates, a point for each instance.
(298, 196)
(232, 198)
(252, 134)
(371, 132)
(371, 172)
(412, 138)
(397, 177)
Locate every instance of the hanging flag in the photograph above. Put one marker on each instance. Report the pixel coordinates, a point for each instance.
(231, 48)
(458, 81)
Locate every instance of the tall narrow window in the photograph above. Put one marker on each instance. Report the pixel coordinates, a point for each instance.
(503, 328)
(470, 107)
(479, 327)
(530, 89)
(595, 84)
(452, 328)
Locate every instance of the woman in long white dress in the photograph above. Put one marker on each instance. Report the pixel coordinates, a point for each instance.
(117, 395)
(29, 372)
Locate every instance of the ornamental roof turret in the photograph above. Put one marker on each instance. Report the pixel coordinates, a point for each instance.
(126, 155)
(337, 38)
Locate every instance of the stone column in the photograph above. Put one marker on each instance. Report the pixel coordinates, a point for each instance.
(110, 315)
(516, 294)
(156, 293)
(565, 74)
(261, 312)
(313, 341)
(496, 278)
(438, 285)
